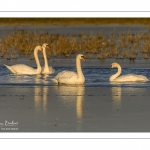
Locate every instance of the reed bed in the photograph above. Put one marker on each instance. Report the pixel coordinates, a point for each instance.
(122, 46)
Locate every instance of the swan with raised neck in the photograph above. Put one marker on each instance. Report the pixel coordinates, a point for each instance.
(46, 69)
(24, 69)
(70, 77)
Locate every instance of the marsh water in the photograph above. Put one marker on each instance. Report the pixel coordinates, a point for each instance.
(75, 30)
(32, 103)
(97, 72)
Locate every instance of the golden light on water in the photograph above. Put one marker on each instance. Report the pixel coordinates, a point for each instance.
(79, 102)
(116, 97)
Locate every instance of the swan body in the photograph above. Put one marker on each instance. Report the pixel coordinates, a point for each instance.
(70, 77)
(24, 69)
(46, 69)
(125, 78)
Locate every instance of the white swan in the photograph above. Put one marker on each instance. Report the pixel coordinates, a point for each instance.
(70, 77)
(46, 69)
(24, 69)
(125, 78)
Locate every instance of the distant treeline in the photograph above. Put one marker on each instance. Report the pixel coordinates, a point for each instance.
(74, 21)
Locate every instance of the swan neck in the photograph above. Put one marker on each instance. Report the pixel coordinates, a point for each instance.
(113, 77)
(37, 59)
(78, 67)
(45, 58)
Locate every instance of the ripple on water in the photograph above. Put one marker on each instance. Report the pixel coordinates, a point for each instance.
(97, 77)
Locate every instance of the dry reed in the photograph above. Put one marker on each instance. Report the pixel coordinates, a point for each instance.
(124, 45)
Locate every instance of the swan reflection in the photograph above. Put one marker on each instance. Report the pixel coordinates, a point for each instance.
(40, 96)
(73, 96)
(45, 79)
(116, 97)
(38, 78)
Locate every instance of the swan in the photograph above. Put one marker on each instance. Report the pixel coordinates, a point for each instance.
(24, 69)
(70, 77)
(46, 69)
(125, 78)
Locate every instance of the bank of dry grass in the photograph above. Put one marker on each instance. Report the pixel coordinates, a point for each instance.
(124, 45)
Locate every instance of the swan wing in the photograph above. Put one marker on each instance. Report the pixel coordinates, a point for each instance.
(21, 69)
(66, 74)
(50, 70)
(65, 77)
(11, 69)
(131, 77)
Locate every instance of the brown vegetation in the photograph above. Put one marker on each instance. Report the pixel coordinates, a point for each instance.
(124, 45)
(74, 21)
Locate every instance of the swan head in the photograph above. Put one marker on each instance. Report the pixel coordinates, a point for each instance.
(38, 48)
(45, 45)
(114, 65)
(81, 57)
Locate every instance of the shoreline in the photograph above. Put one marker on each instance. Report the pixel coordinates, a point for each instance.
(70, 62)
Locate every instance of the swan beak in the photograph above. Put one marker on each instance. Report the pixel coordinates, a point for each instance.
(82, 58)
(110, 67)
(47, 47)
